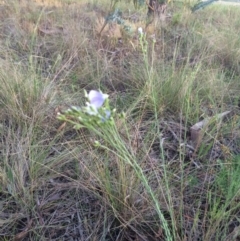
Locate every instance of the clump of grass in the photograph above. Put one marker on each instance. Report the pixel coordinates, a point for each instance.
(144, 180)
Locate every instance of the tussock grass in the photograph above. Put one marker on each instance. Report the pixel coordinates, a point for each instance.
(146, 180)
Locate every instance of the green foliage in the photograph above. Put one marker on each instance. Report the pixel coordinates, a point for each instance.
(196, 7)
(117, 177)
(116, 17)
(202, 4)
(228, 179)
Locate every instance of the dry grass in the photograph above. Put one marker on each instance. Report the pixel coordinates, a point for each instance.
(56, 185)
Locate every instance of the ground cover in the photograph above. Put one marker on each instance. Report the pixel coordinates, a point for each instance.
(165, 168)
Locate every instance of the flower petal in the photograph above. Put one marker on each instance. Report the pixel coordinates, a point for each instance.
(96, 98)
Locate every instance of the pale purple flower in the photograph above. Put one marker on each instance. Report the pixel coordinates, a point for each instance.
(108, 114)
(96, 99)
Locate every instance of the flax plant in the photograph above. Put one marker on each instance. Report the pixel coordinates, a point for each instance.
(98, 118)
